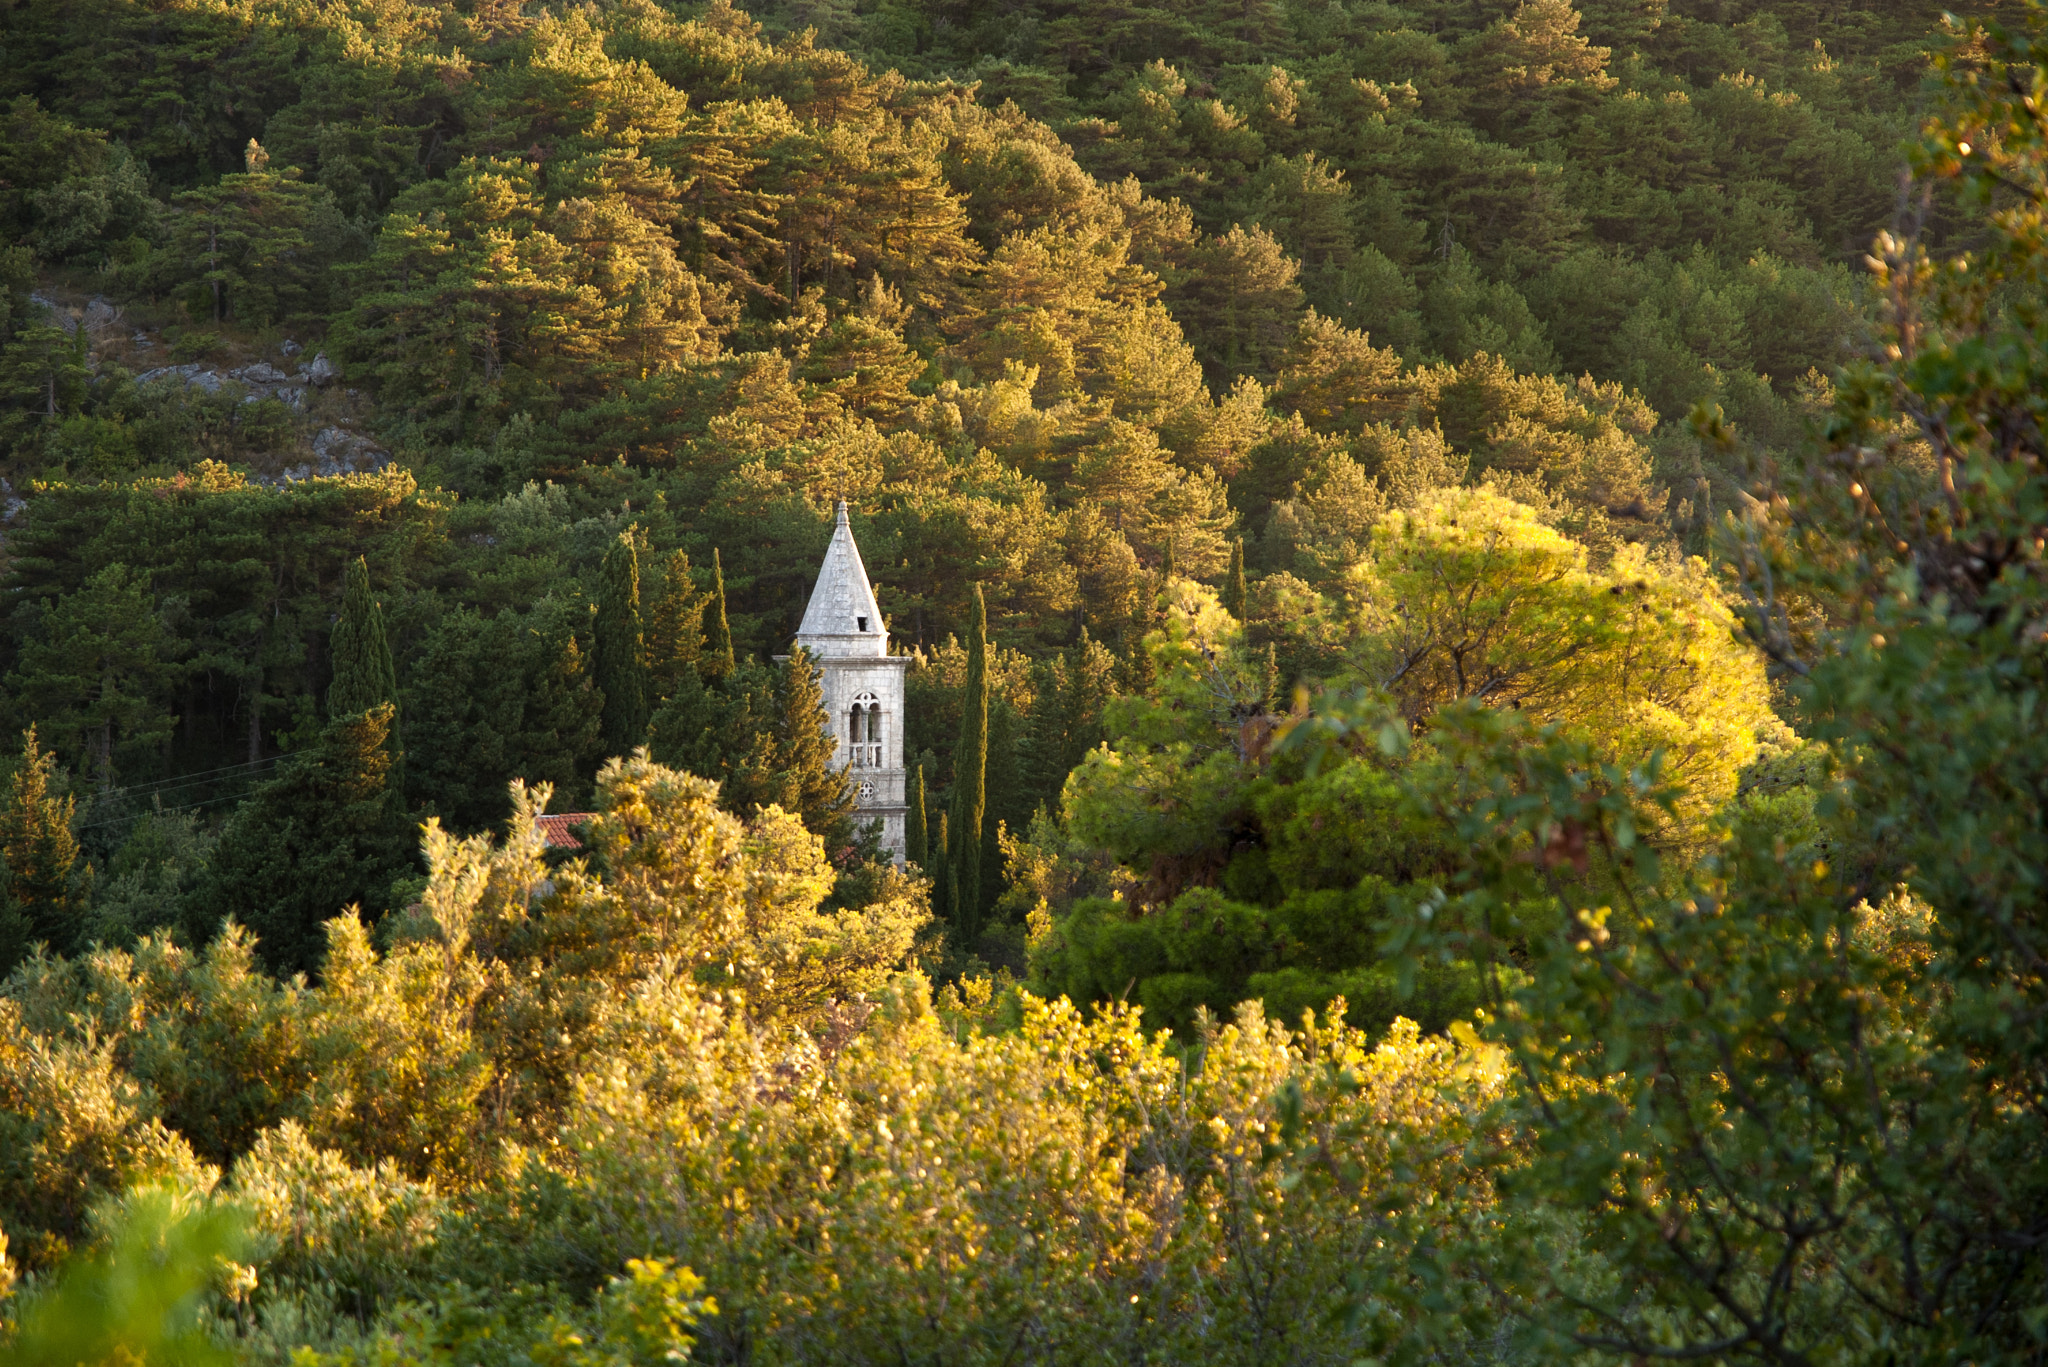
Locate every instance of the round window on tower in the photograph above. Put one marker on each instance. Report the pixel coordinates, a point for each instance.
(867, 790)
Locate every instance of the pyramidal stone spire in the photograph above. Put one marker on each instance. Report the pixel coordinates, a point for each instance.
(842, 618)
(862, 684)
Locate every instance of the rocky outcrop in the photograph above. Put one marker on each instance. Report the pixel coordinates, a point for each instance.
(95, 316)
(336, 451)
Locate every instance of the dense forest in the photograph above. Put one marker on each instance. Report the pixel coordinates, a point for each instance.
(1472, 577)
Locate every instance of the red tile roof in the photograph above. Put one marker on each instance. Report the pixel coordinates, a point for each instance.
(555, 829)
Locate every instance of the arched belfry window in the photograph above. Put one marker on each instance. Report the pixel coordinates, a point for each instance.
(864, 732)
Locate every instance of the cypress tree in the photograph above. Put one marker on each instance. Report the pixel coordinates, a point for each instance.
(716, 662)
(970, 779)
(916, 847)
(942, 882)
(363, 674)
(36, 841)
(675, 629)
(1233, 590)
(621, 654)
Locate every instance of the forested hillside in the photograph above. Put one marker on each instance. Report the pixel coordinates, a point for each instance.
(1057, 300)
(1492, 544)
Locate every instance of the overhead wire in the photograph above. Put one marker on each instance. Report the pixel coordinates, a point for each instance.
(200, 773)
(193, 782)
(231, 773)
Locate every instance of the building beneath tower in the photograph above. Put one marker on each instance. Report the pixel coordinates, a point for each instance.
(842, 632)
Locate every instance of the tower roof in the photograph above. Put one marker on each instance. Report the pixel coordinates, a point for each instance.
(842, 618)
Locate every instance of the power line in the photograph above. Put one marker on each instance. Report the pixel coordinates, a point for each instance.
(173, 785)
(183, 807)
(178, 779)
(156, 791)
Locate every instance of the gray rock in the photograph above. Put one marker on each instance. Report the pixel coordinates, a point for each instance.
(99, 315)
(181, 372)
(341, 452)
(322, 371)
(140, 341)
(289, 348)
(208, 380)
(293, 397)
(260, 373)
(59, 315)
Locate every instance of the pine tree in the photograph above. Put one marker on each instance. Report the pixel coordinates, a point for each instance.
(970, 779)
(40, 852)
(328, 832)
(1234, 597)
(1070, 691)
(93, 673)
(916, 846)
(1167, 571)
(707, 728)
(621, 652)
(363, 673)
(805, 749)
(716, 662)
(675, 629)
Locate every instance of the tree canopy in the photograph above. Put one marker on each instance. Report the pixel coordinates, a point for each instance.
(1468, 575)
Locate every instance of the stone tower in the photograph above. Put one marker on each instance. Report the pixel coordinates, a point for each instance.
(863, 684)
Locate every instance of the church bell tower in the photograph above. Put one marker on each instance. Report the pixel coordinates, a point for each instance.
(863, 683)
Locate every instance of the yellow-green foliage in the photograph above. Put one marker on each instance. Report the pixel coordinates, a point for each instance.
(140, 1295)
(73, 1127)
(1070, 1192)
(316, 1220)
(1468, 595)
(546, 1076)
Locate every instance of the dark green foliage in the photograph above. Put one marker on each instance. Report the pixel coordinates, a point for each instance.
(716, 661)
(1079, 308)
(142, 889)
(763, 735)
(715, 728)
(916, 837)
(253, 246)
(363, 674)
(1070, 690)
(326, 834)
(69, 193)
(620, 657)
(792, 762)
(674, 629)
(1294, 887)
(205, 597)
(41, 903)
(970, 782)
(92, 666)
(494, 699)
